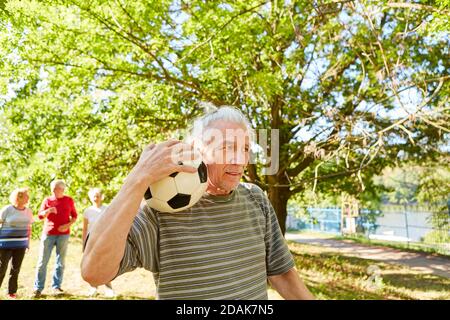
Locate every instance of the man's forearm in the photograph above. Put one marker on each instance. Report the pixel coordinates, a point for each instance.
(290, 286)
(106, 244)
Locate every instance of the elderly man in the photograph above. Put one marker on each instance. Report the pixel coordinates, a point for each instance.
(59, 213)
(226, 246)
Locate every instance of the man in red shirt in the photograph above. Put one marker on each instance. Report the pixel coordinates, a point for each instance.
(59, 213)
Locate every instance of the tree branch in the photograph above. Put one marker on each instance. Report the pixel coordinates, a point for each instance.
(219, 30)
(404, 5)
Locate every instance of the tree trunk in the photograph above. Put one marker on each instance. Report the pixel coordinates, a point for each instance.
(279, 197)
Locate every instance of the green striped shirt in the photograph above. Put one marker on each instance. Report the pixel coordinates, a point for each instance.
(223, 247)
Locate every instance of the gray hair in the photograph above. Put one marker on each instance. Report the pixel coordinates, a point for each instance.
(224, 113)
(56, 183)
(93, 192)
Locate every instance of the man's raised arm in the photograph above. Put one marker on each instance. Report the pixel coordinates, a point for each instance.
(106, 242)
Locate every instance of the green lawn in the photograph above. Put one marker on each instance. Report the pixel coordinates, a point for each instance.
(329, 276)
(332, 276)
(134, 285)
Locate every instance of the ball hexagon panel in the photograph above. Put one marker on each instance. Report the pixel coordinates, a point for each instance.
(159, 205)
(164, 189)
(187, 183)
(198, 194)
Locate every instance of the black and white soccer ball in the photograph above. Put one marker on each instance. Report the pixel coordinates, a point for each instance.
(179, 191)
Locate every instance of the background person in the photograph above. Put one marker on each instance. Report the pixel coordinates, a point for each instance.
(15, 220)
(59, 214)
(90, 216)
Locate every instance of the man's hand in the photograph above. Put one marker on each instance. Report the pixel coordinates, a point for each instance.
(50, 211)
(44, 214)
(107, 240)
(64, 227)
(157, 161)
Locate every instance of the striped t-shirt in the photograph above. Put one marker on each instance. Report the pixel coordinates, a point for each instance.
(224, 247)
(15, 227)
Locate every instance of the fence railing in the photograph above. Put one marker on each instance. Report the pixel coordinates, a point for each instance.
(405, 223)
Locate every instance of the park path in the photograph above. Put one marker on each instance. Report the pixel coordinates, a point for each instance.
(421, 262)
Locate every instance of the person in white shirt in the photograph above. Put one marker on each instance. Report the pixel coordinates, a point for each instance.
(91, 215)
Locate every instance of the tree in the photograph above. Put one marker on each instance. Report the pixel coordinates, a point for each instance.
(352, 86)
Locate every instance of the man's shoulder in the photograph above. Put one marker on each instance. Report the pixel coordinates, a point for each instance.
(146, 212)
(255, 194)
(252, 188)
(88, 210)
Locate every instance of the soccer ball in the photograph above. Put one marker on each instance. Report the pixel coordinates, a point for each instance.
(178, 191)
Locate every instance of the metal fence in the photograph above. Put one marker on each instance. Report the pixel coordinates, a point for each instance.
(410, 224)
(315, 219)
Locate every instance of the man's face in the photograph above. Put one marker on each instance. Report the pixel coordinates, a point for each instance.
(58, 191)
(97, 199)
(226, 154)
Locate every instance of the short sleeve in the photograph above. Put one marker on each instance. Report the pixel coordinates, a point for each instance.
(87, 214)
(73, 212)
(278, 257)
(141, 247)
(3, 213)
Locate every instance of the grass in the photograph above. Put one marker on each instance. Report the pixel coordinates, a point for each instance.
(315, 234)
(332, 276)
(328, 276)
(134, 285)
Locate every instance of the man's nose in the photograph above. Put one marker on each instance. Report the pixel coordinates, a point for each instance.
(238, 157)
